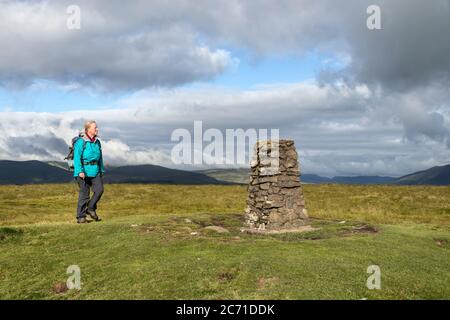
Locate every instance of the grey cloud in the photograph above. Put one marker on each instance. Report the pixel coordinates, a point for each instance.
(423, 113)
(157, 43)
(410, 51)
(432, 125)
(43, 146)
(104, 54)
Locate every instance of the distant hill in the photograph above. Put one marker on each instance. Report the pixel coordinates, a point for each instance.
(58, 164)
(435, 176)
(29, 172)
(157, 174)
(239, 175)
(314, 178)
(363, 180)
(63, 165)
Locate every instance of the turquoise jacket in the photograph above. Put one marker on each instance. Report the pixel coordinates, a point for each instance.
(92, 152)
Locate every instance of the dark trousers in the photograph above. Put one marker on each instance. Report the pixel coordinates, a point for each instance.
(84, 200)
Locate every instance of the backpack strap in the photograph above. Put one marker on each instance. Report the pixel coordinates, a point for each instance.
(100, 147)
(82, 151)
(84, 146)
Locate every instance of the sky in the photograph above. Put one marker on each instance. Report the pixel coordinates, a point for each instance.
(356, 101)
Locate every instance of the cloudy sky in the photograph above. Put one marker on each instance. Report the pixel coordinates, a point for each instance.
(356, 101)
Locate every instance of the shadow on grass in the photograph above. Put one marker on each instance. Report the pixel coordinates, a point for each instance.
(7, 233)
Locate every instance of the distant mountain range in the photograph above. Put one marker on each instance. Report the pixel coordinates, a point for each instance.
(28, 172)
(434, 176)
(156, 174)
(25, 172)
(242, 176)
(312, 178)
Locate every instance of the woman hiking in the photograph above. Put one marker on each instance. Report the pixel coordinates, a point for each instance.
(88, 171)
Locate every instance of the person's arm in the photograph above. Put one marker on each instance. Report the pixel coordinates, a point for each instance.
(78, 166)
(102, 167)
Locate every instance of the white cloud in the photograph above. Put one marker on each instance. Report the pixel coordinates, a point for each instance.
(338, 129)
(105, 54)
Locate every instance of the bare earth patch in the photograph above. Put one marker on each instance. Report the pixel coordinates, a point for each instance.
(217, 229)
(144, 229)
(60, 287)
(226, 276)
(265, 282)
(364, 229)
(440, 242)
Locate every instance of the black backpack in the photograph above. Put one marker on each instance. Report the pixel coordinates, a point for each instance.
(69, 157)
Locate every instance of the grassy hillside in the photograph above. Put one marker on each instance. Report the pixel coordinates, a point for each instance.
(435, 176)
(156, 174)
(37, 172)
(26, 172)
(153, 244)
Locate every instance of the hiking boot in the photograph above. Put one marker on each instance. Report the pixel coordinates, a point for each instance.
(93, 215)
(82, 220)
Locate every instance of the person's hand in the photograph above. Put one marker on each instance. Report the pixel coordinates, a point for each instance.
(81, 175)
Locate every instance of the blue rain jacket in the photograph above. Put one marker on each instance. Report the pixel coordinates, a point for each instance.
(92, 152)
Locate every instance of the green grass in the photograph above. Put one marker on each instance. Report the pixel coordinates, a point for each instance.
(145, 248)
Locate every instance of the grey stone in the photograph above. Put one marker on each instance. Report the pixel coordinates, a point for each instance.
(275, 195)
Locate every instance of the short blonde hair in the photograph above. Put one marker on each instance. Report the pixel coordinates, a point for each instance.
(88, 124)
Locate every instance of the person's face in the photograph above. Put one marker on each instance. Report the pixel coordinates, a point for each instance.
(93, 130)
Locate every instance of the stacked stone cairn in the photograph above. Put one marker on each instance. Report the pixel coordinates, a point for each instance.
(275, 195)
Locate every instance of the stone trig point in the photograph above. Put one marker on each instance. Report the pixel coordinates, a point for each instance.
(275, 196)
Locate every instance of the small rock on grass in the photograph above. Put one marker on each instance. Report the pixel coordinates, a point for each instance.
(60, 287)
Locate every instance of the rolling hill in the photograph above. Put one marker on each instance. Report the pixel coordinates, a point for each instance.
(157, 174)
(241, 176)
(435, 176)
(363, 180)
(29, 172)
